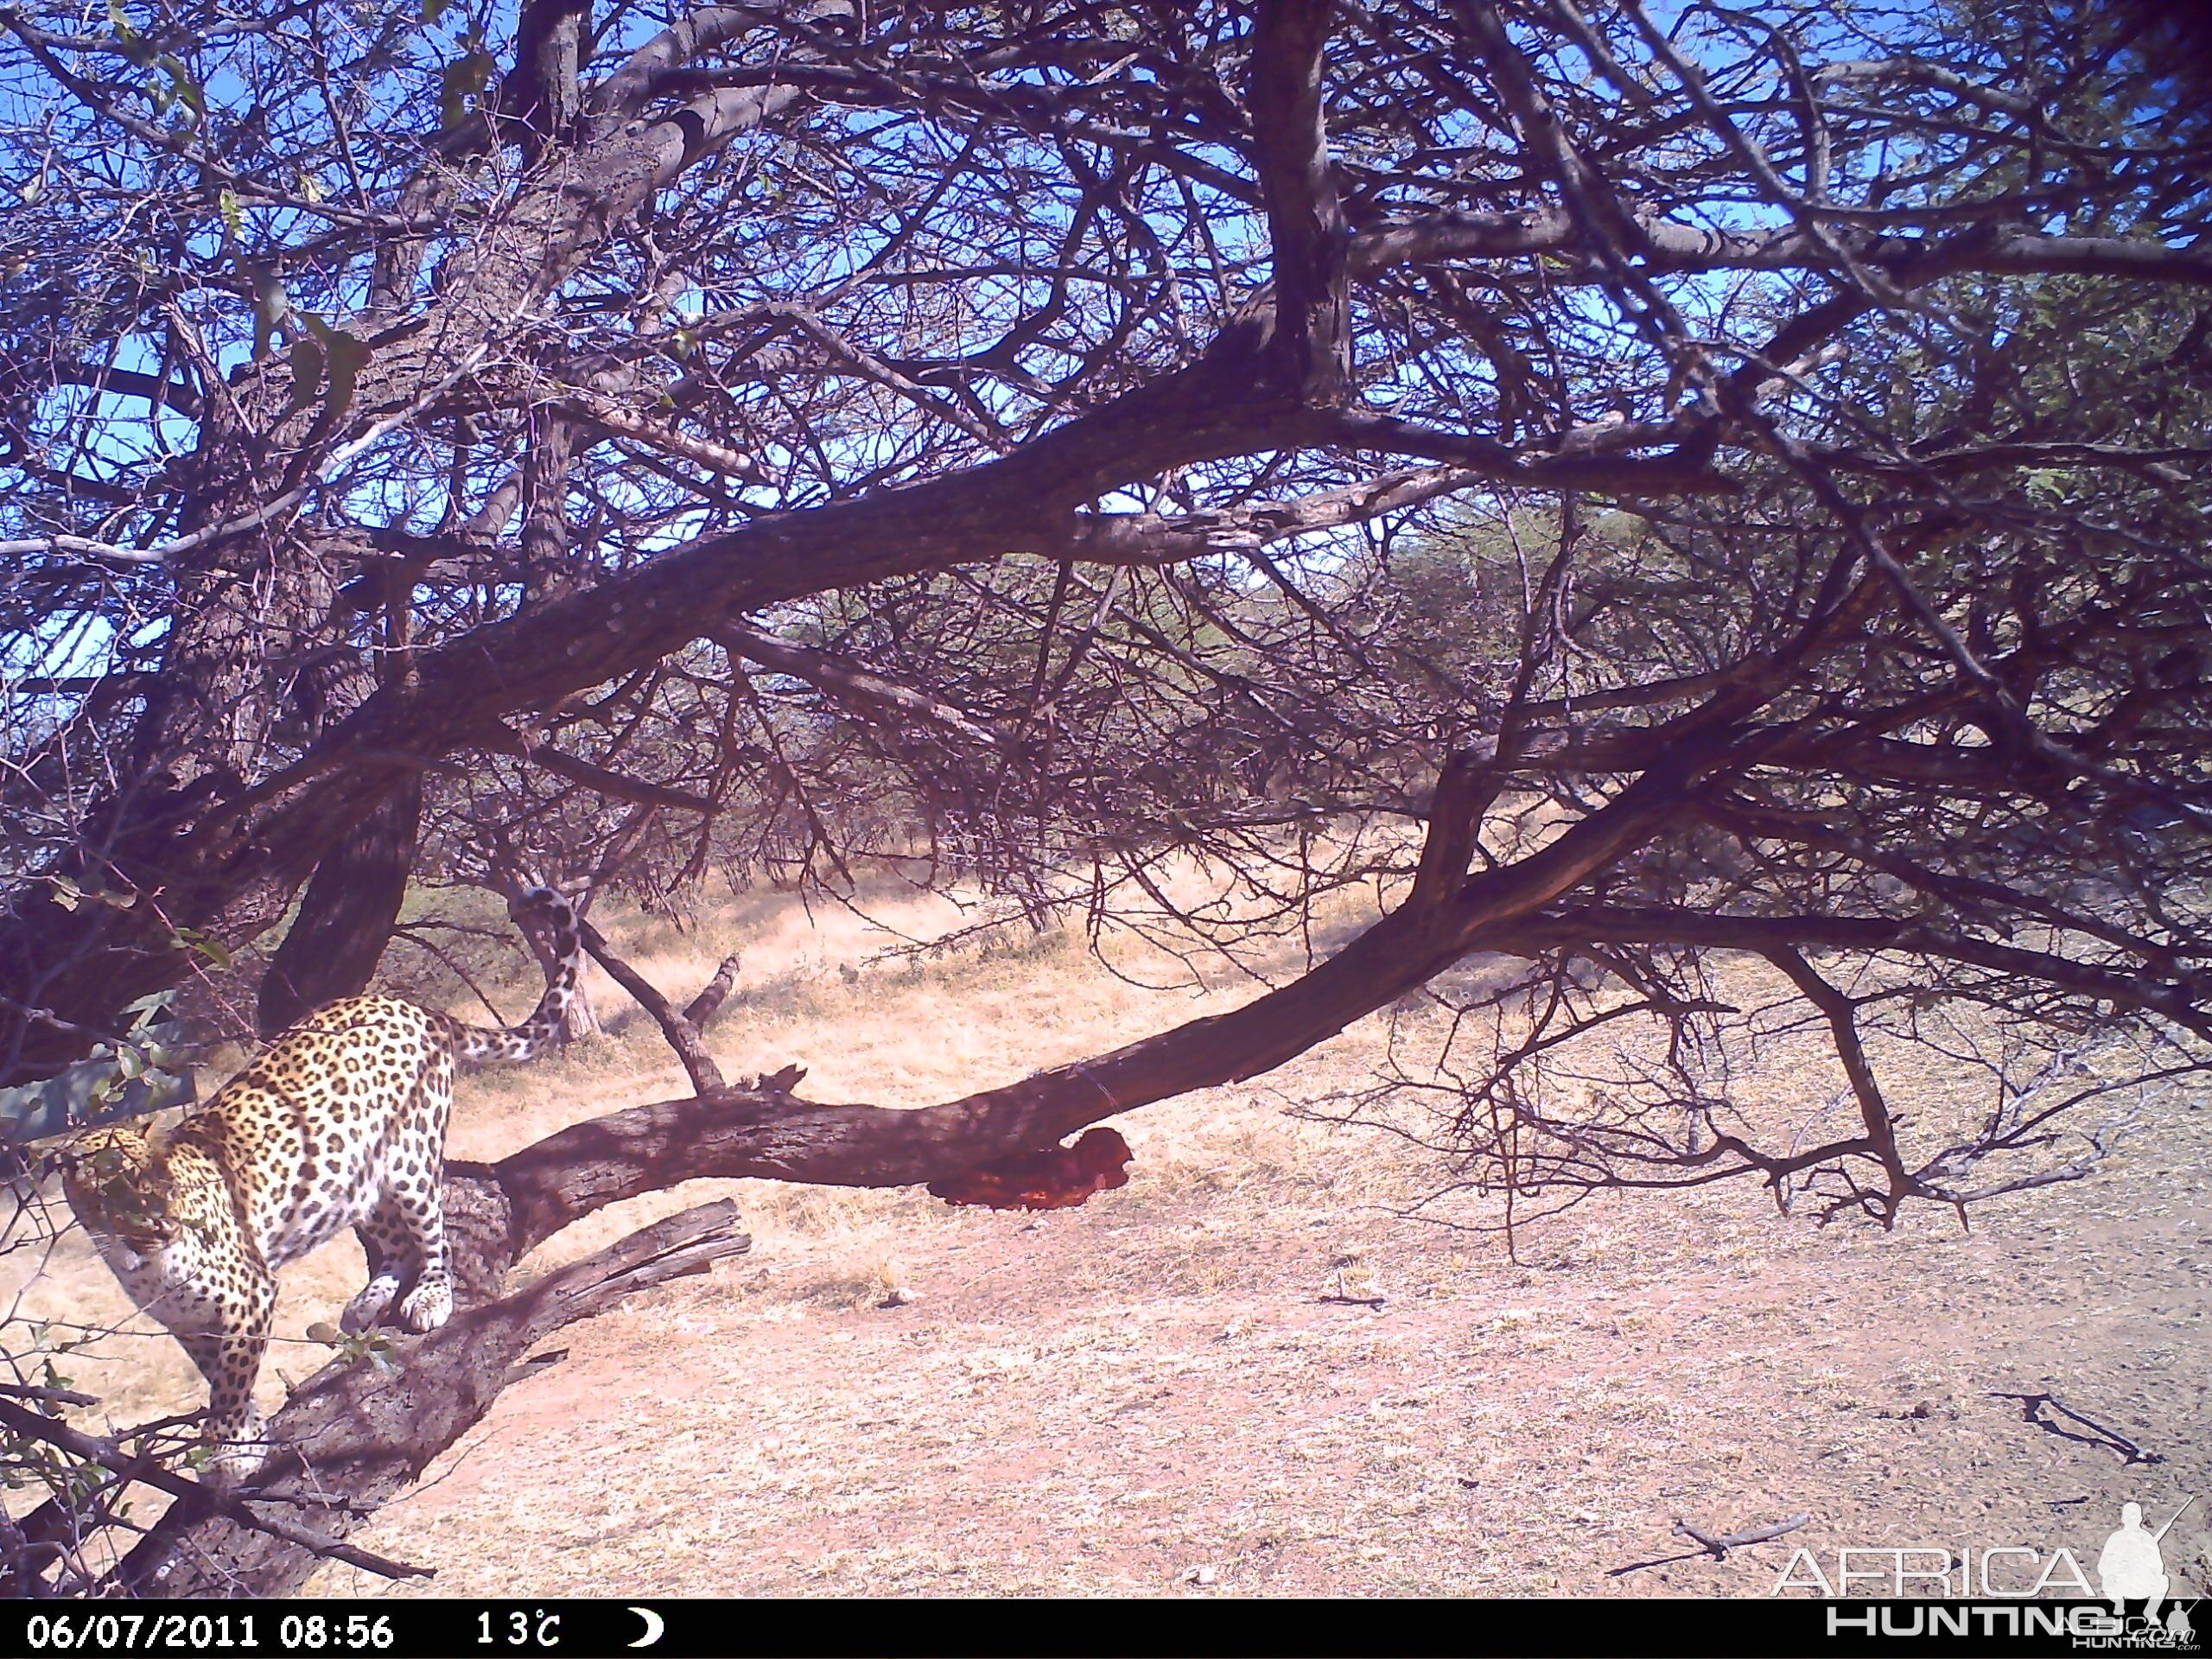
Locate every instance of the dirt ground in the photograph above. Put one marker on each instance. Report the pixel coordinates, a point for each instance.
(1149, 1396)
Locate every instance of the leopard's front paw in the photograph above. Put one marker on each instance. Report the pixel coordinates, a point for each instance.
(236, 1459)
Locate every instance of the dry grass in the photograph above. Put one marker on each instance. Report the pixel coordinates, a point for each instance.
(1107, 1399)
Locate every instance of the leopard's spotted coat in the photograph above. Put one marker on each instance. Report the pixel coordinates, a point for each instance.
(341, 1124)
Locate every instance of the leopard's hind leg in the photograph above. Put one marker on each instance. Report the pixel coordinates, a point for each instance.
(404, 1239)
(403, 1235)
(417, 1185)
(384, 1243)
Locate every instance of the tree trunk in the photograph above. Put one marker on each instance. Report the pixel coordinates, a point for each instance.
(345, 919)
(179, 833)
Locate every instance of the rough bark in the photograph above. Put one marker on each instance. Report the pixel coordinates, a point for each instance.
(700, 1011)
(1305, 220)
(243, 597)
(345, 916)
(352, 1437)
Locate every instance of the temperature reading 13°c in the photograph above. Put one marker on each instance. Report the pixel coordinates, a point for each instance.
(538, 1629)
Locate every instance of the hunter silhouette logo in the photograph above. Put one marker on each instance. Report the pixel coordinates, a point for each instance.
(2132, 1568)
(2002, 1589)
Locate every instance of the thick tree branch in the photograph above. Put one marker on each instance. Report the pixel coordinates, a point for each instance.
(1445, 236)
(197, 1496)
(352, 1436)
(1305, 221)
(569, 1175)
(702, 1008)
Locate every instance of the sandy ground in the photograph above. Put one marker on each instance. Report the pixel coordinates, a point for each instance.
(1120, 1400)
(1149, 1396)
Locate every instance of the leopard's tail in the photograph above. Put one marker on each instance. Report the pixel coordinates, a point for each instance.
(473, 1045)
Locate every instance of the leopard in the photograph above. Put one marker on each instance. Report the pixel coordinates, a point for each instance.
(341, 1123)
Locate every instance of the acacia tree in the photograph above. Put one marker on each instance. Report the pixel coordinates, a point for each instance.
(1732, 479)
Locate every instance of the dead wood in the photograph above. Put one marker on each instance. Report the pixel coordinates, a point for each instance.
(700, 1011)
(193, 1494)
(2031, 1406)
(1719, 1545)
(1715, 1545)
(352, 1436)
(682, 1033)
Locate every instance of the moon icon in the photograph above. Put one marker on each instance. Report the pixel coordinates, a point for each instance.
(654, 1627)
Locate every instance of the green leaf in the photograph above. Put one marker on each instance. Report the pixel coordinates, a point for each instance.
(194, 940)
(234, 214)
(183, 89)
(142, 1008)
(69, 894)
(132, 42)
(434, 9)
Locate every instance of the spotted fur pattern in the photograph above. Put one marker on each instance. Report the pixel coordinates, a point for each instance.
(341, 1124)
